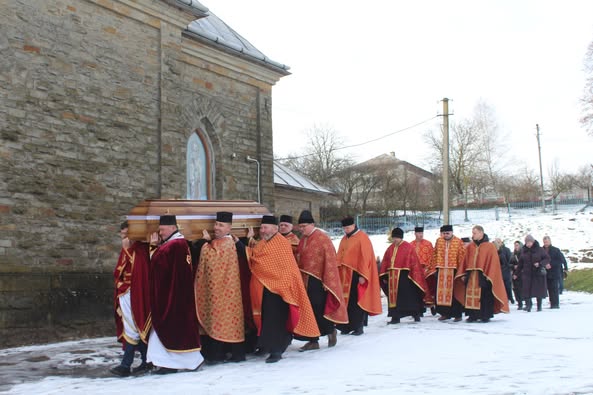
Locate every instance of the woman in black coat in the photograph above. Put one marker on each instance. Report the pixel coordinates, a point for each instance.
(516, 275)
(504, 256)
(532, 264)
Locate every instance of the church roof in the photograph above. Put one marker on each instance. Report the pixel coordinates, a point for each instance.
(286, 177)
(194, 6)
(213, 29)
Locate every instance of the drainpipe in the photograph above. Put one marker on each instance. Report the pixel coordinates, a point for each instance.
(250, 159)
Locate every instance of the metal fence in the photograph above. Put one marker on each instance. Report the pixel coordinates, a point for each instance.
(374, 225)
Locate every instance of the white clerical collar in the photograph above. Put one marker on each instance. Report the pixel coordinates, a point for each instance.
(175, 235)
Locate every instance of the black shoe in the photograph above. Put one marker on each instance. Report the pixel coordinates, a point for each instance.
(200, 366)
(485, 320)
(357, 332)
(236, 359)
(163, 370)
(259, 352)
(433, 310)
(212, 362)
(144, 367)
(332, 338)
(471, 319)
(274, 357)
(394, 320)
(120, 371)
(345, 332)
(456, 319)
(417, 318)
(311, 345)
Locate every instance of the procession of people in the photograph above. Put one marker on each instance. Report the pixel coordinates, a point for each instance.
(185, 304)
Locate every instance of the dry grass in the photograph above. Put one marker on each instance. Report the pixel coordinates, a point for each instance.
(579, 280)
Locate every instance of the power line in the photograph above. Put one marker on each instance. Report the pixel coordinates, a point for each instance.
(365, 142)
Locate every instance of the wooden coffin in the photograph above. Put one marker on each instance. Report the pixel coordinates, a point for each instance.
(193, 216)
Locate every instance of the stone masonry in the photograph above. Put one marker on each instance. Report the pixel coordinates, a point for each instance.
(97, 102)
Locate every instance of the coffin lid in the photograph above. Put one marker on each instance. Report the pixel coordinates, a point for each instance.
(193, 216)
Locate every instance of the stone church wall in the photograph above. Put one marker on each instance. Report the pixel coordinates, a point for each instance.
(97, 102)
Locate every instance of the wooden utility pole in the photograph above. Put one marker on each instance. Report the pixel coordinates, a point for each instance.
(541, 174)
(446, 161)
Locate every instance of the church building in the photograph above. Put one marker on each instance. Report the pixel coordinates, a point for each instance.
(104, 104)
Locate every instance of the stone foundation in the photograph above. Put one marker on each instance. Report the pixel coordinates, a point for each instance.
(37, 306)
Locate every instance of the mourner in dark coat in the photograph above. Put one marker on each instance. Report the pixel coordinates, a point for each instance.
(504, 256)
(532, 264)
(555, 272)
(516, 275)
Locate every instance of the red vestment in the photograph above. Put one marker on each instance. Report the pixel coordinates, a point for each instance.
(482, 258)
(447, 257)
(396, 260)
(131, 275)
(219, 305)
(355, 253)
(273, 266)
(172, 297)
(294, 241)
(316, 256)
(424, 250)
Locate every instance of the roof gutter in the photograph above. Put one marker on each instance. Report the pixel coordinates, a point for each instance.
(237, 50)
(192, 6)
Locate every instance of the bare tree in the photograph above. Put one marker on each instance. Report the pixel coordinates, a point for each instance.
(506, 186)
(492, 143)
(476, 152)
(526, 186)
(347, 182)
(559, 181)
(587, 100)
(322, 161)
(369, 181)
(584, 179)
(463, 152)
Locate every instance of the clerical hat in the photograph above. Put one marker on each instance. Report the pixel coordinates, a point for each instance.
(419, 229)
(285, 218)
(269, 219)
(168, 220)
(347, 221)
(224, 216)
(447, 228)
(306, 217)
(397, 232)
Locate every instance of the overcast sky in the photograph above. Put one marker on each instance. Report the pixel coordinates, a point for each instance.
(368, 69)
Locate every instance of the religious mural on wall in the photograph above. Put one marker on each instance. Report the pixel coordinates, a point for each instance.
(197, 167)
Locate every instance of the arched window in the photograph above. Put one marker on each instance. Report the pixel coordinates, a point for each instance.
(199, 177)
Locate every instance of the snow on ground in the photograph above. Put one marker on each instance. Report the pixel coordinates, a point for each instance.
(569, 231)
(546, 352)
(518, 353)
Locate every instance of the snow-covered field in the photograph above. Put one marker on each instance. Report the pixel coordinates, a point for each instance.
(571, 232)
(548, 352)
